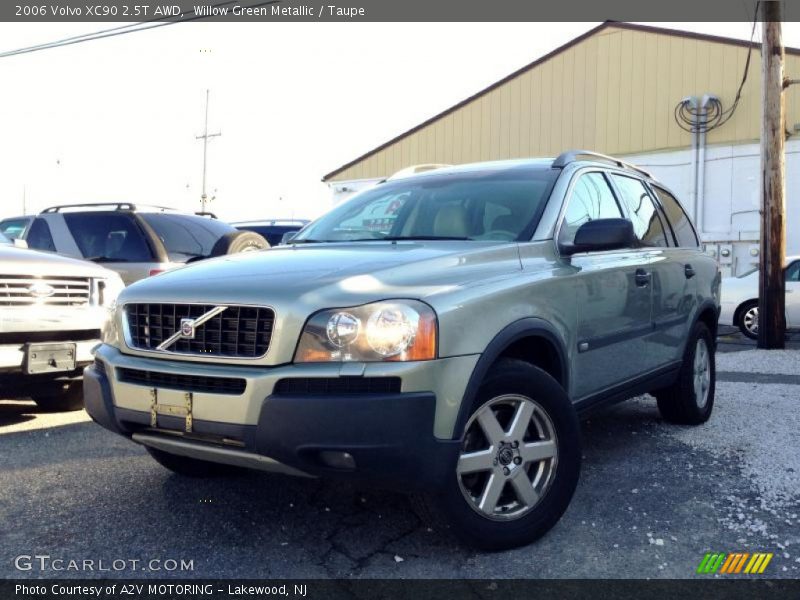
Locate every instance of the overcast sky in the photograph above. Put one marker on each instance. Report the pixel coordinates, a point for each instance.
(116, 119)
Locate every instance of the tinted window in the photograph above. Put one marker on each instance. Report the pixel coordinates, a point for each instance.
(681, 225)
(186, 236)
(641, 211)
(272, 233)
(14, 228)
(499, 204)
(39, 236)
(793, 271)
(108, 236)
(591, 199)
(4, 239)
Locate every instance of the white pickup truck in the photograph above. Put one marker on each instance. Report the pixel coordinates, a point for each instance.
(53, 310)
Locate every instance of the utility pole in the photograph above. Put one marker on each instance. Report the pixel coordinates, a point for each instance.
(204, 137)
(771, 289)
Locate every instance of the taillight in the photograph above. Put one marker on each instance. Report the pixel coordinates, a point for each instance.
(155, 272)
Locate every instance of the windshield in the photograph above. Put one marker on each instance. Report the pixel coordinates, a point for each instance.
(477, 205)
(748, 273)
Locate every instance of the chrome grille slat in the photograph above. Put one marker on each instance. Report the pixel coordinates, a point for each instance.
(237, 332)
(67, 291)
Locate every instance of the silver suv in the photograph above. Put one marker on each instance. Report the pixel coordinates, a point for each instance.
(136, 241)
(52, 313)
(437, 333)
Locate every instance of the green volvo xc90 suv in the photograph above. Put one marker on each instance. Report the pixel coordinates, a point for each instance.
(437, 334)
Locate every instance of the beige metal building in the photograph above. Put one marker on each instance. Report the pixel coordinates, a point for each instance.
(614, 90)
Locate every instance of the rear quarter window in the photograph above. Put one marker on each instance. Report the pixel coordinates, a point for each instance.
(186, 236)
(681, 225)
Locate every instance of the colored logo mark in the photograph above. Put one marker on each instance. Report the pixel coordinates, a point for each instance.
(734, 563)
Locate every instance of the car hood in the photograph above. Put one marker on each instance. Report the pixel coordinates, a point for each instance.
(332, 274)
(23, 261)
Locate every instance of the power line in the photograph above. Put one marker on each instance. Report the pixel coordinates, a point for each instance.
(120, 30)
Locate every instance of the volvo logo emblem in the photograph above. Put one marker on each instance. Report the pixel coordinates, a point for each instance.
(187, 329)
(41, 290)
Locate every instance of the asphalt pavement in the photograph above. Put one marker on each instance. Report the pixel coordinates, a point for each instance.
(652, 500)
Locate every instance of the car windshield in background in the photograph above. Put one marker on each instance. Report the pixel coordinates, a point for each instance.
(479, 205)
(187, 236)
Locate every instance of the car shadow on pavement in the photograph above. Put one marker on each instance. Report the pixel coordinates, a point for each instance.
(14, 412)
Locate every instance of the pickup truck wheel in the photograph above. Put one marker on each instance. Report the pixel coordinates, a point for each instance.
(60, 397)
(190, 467)
(519, 462)
(690, 399)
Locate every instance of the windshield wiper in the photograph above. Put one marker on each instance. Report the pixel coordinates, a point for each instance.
(307, 241)
(399, 238)
(101, 259)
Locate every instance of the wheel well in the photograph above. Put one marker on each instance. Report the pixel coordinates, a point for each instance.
(709, 317)
(539, 352)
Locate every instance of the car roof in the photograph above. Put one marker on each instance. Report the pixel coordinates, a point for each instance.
(269, 222)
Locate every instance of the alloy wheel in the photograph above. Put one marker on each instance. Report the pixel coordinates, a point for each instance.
(508, 459)
(750, 320)
(702, 373)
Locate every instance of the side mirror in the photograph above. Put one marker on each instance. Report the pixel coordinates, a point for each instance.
(601, 234)
(20, 243)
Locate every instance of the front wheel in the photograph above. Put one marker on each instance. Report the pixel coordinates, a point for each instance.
(748, 319)
(519, 462)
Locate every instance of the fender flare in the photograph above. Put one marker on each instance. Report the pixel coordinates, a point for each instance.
(527, 327)
(705, 305)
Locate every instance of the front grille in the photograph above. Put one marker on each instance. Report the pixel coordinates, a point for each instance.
(36, 337)
(338, 385)
(183, 383)
(237, 332)
(23, 290)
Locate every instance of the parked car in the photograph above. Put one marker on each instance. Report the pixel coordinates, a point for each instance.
(274, 231)
(437, 333)
(15, 227)
(740, 299)
(136, 241)
(52, 313)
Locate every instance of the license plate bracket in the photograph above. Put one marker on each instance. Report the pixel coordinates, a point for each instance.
(172, 410)
(49, 358)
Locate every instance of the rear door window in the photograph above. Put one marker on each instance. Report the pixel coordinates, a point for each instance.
(108, 236)
(186, 236)
(684, 231)
(647, 225)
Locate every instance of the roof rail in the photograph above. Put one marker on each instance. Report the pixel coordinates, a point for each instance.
(205, 214)
(115, 205)
(571, 156)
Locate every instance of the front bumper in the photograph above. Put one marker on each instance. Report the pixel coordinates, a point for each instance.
(12, 356)
(391, 437)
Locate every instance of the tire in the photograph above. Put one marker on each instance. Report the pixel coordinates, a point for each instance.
(530, 496)
(59, 396)
(239, 241)
(191, 467)
(747, 319)
(689, 401)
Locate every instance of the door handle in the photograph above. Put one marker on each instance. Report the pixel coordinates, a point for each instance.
(688, 270)
(642, 277)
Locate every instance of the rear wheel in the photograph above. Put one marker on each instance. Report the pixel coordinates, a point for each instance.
(690, 399)
(59, 396)
(191, 467)
(519, 462)
(747, 319)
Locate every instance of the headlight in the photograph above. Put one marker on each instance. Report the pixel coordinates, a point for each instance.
(110, 329)
(396, 330)
(109, 290)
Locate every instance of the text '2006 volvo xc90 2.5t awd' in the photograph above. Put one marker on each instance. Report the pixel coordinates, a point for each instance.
(438, 333)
